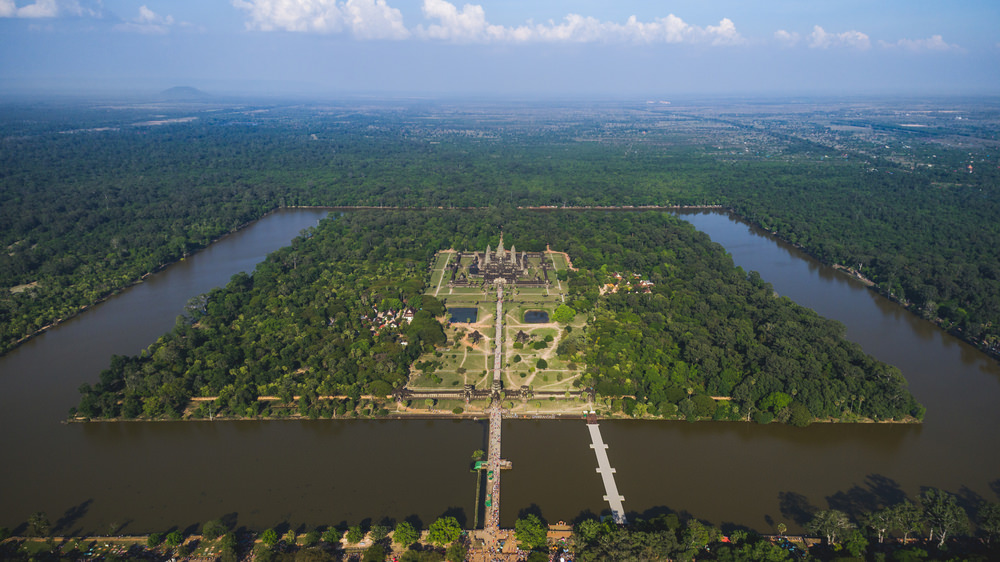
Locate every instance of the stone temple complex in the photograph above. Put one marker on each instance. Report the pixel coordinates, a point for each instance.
(525, 269)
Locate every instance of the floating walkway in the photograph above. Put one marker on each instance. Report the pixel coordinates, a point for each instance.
(607, 474)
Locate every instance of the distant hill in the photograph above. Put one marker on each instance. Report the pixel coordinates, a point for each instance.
(183, 93)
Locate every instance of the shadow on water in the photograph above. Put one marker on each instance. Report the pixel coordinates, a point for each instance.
(877, 492)
(794, 507)
(415, 521)
(459, 514)
(532, 509)
(64, 525)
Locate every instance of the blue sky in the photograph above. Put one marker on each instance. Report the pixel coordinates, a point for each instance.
(582, 48)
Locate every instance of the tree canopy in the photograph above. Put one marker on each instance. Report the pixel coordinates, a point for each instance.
(312, 321)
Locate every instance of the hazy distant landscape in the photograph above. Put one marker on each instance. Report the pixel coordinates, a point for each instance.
(902, 192)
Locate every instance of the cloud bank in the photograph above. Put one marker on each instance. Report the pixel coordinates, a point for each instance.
(40, 9)
(365, 19)
(469, 25)
(820, 39)
(374, 19)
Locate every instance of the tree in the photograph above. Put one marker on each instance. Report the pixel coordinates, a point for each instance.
(478, 455)
(355, 534)
(542, 364)
(829, 523)
(697, 535)
(378, 532)
(421, 556)
(564, 314)
(375, 553)
(405, 534)
(586, 532)
(269, 538)
(800, 416)
(856, 543)
(311, 538)
(174, 539)
(444, 530)
(943, 514)
(38, 524)
(332, 535)
(906, 518)
(213, 529)
(757, 551)
(530, 531)
(456, 552)
(227, 546)
(879, 521)
(261, 553)
(154, 540)
(988, 517)
(536, 556)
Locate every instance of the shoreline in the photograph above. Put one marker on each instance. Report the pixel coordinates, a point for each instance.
(478, 416)
(83, 308)
(980, 345)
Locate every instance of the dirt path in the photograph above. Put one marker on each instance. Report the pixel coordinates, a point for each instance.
(557, 383)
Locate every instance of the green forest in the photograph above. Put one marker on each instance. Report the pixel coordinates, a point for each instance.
(298, 326)
(93, 197)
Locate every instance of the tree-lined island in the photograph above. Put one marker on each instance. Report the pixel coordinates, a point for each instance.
(652, 320)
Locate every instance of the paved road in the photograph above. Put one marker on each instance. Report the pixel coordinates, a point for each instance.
(492, 524)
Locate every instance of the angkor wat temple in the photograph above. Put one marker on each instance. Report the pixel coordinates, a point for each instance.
(500, 266)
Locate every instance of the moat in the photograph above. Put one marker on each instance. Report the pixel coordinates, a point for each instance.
(155, 475)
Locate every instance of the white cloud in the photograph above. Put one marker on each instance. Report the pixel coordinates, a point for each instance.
(820, 39)
(933, 43)
(788, 38)
(290, 15)
(366, 19)
(469, 25)
(40, 9)
(148, 22)
(374, 19)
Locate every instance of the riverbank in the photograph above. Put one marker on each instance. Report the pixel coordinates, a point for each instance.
(480, 415)
(982, 344)
(138, 280)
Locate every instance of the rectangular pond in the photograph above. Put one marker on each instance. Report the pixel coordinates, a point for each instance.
(536, 316)
(465, 315)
